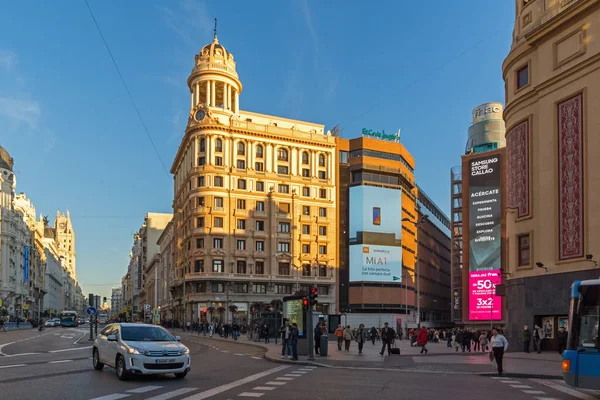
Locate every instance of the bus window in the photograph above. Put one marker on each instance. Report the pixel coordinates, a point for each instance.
(588, 327)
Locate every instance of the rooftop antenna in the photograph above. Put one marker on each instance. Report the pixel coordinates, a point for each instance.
(215, 28)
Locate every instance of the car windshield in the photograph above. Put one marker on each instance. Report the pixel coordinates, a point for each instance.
(145, 334)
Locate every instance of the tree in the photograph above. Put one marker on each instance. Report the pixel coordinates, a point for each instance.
(233, 308)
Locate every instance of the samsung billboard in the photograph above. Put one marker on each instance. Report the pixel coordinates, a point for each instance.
(375, 234)
(485, 261)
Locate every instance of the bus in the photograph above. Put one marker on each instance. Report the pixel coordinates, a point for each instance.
(102, 318)
(69, 318)
(581, 359)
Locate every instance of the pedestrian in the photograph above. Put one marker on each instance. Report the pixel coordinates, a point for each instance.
(236, 330)
(318, 332)
(294, 341)
(483, 341)
(499, 345)
(526, 339)
(538, 336)
(339, 334)
(211, 329)
(561, 338)
(449, 339)
(422, 340)
(2, 327)
(285, 340)
(348, 336)
(362, 335)
(265, 333)
(387, 337)
(373, 335)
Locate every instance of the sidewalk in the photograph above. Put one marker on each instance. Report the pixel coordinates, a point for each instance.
(439, 359)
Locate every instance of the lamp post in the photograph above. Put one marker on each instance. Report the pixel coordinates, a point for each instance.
(417, 224)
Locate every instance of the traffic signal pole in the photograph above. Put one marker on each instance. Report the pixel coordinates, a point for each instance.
(310, 335)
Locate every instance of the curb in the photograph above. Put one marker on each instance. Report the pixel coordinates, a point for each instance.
(522, 376)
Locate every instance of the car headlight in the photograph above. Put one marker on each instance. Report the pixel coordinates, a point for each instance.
(133, 350)
(185, 351)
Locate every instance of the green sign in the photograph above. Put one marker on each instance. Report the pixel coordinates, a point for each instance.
(381, 135)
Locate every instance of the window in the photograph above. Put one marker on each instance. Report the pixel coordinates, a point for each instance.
(284, 227)
(241, 267)
(260, 288)
(219, 202)
(241, 224)
(322, 270)
(283, 170)
(199, 266)
(322, 193)
(201, 287)
(218, 288)
(283, 289)
(241, 204)
(322, 212)
(305, 210)
(200, 243)
(306, 270)
(284, 208)
(322, 231)
(321, 160)
(219, 181)
(259, 151)
(306, 229)
(522, 77)
(306, 191)
(305, 173)
(260, 268)
(306, 248)
(201, 201)
(240, 288)
(218, 146)
(322, 175)
(219, 161)
(343, 157)
(322, 249)
(524, 254)
(260, 186)
(323, 290)
(218, 266)
(241, 164)
(241, 244)
(260, 245)
(283, 247)
(283, 268)
(260, 206)
(200, 181)
(241, 149)
(200, 222)
(259, 167)
(242, 184)
(202, 145)
(283, 188)
(305, 158)
(218, 222)
(201, 161)
(282, 154)
(218, 243)
(260, 226)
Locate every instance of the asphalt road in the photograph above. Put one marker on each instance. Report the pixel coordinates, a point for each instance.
(61, 368)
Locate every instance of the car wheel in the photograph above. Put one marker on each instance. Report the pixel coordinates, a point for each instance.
(122, 373)
(181, 375)
(96, 360)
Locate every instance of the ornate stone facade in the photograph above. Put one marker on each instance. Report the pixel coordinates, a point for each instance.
(517, 143)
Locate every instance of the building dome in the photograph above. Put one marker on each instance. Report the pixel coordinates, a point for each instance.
(214, 57)
(6, 160)
(215, 50)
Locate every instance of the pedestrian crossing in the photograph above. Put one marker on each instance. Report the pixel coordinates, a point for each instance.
(551, 388)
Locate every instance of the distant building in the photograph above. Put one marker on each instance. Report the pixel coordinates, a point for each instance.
(65, 239)
(116, 301)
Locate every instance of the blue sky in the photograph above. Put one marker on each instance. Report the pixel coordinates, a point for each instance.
(77, 142)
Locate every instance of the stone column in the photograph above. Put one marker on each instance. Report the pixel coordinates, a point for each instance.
(213, 93)
(225, 96)
(208, 86)
(229, 97)
(237, 102)
(197, 94)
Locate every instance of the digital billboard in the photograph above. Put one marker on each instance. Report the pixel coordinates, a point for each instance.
(375, 234)
(293, 310)
(485, 261)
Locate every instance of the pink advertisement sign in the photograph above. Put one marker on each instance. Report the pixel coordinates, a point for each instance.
(483, 302)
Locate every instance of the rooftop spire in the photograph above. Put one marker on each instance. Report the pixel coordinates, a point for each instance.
(215, 30)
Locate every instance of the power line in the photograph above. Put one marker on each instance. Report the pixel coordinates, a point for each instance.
(128, 91)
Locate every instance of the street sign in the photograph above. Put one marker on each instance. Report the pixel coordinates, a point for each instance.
(91, 311)
(147, 307)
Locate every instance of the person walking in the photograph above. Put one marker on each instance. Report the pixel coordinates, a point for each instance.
(294, 332)
(526, 339)
(422, 340)
(265, 333)
(483, 341)
(499, 345)
(362, 335)
(347, 337)
(561, 338)
(387, 337)
(2, 327)
(285, 340)
(373, 335)
(236, 330)
(339, 334)
(538, 336)
(318, 332)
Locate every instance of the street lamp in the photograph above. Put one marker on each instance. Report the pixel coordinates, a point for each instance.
(418, 223)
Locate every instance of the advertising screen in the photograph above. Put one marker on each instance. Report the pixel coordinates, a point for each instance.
(293, 311)
(485, 212)
(375, 210)
(373, 263)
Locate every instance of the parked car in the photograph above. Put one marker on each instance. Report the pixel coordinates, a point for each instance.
(50, 323)
(140, 349)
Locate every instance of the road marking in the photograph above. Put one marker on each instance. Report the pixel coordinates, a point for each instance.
(533, 392)
(250, 394)
(564, 389)
(309, 367)
(239, 354)
(546, 398)
(300, 372)
(224, 351)
(257, 358)
(174, 393)
(521, 386)
(71, 349)
(59, 361)
(284, 379)
(275, 383)
(223, 388)
(144, 389)
(500, 377)
(22, 354)
(81, 337)
(512, 382)
(264, 388)
(293, 375)
(113, 396)
(12, 366)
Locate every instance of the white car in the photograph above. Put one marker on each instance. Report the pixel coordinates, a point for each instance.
(140, 349)
(50, 322)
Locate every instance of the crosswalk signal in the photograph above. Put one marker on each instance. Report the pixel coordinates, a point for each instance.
(314, 293)
(305, 304)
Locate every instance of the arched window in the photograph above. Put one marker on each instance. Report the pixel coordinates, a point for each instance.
(241, 149)
(321, 160)
(305, 157)
(219, 146)
(282, 154)
(202, 145)
(259, 151)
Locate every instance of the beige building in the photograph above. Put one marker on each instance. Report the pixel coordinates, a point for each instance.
(254, 201)
(552, 76)
(65, 239)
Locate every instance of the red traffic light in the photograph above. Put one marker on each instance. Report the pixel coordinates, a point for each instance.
(313, 290)
(204, 311)
(305, 302)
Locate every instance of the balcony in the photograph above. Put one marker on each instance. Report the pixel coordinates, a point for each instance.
(259, 234)
(259, 254)
(283, 215)
(316, 279)
(241, 232)
(259, 213)
(284, 235)
(241, 253)
(239, 212)
(322, 220)
(305, 218)
(306, 237)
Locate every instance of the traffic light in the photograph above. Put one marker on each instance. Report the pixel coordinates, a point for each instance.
(305, 304)
(313, 296)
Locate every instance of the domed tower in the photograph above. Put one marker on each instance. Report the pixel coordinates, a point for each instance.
(8, 182)
(214, 82)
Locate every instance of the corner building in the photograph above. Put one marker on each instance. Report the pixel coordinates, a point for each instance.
(254, 202)
(552, 80)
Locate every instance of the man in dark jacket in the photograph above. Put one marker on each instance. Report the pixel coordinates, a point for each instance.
(387, 337)
(526, 339)
(318, 332)
(561, 338)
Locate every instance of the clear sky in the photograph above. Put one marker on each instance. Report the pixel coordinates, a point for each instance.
(77, 142)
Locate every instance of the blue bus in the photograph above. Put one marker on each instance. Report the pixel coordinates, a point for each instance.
(581, 359)
(69, 318)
